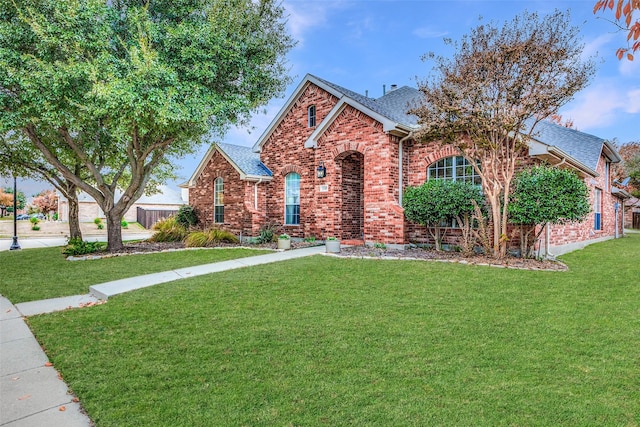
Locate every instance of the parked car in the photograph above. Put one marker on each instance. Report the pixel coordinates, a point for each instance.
(39, 216)
(22, 216)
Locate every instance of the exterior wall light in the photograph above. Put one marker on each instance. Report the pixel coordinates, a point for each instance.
(321, 172)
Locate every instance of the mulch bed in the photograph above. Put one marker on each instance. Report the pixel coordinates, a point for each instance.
(446, 256)
(353, 252)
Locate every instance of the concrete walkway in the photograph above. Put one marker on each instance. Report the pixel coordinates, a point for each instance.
(32, 393)
(46, 242)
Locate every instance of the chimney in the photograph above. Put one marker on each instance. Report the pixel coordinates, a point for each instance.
(393, 87)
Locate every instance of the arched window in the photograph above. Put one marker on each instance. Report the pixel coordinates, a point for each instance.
(218, 201)
(311, 115)
(455, 168)
(292, 199)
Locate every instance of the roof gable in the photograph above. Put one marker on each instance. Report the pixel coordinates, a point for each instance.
(243, 160)
(390, 110)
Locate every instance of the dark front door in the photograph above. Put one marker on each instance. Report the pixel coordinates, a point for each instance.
(353, 196)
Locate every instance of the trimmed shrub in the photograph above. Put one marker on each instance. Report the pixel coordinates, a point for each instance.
(186, 216)
(168, 230)
(124, 224)
(209, 238)
(77, 247)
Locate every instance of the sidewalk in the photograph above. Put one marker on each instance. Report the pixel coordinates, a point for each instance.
(46, 242)
(33, 394)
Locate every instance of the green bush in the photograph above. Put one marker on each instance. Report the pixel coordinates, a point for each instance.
(168, 230)
(77, 247)
(124, 224)
(208, 238)
(186, 216)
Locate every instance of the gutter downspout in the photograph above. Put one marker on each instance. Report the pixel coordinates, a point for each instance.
(547, 236)
(255, 193)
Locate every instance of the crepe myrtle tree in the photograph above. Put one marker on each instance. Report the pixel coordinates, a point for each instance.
(118, 87)
(546, 195)
(626, 19)
(436, 203)
(488, 98)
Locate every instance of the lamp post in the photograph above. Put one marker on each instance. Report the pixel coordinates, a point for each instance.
(15, 245)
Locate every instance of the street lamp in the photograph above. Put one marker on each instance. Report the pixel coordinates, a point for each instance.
(15, 245)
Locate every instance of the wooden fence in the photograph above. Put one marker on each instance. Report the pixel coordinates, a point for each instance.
(635, 224)
(147, 218)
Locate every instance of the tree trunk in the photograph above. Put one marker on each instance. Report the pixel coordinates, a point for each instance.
(114, 231)
(74, 219)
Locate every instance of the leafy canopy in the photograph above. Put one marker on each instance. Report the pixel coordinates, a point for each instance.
(115, 89)
(545, 194)
(488, 98)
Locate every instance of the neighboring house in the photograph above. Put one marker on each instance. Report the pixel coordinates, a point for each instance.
(336, 163)
(88, 209)
(632, 213)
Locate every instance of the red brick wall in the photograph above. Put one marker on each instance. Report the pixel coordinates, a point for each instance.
(201, 196)
(321, 212)
(584, 231)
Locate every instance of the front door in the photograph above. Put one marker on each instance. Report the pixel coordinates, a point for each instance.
(353, 196)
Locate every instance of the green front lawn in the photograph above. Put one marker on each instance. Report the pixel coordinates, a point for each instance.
(35, 274)
(326, 341)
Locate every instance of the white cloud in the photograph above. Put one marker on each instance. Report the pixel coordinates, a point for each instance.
(629, 68)
(633, 102)
(304, 16)
(428, 33)
(595, 107)
(602, 105)
(592, 48)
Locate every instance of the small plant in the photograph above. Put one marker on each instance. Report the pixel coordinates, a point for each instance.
(284, 237)
(310, 239)
(380, 245)
(98, 223)
(55, 216)
(77, 247)
(267, 233)
(124, 224)
(34, 223)
(332, 238)
(168, 230)
(186, 216)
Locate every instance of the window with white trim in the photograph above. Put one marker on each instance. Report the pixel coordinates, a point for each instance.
(455, 168)
(311, 116)
(218, 201)
(292, 199)
(597, 209)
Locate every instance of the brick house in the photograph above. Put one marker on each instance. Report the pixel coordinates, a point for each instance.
(336, 163)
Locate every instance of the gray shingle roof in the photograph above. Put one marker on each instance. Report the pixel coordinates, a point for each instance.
(581, 146)
(248, 161)
(393, 105)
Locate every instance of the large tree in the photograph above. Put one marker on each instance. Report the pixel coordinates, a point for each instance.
(630, 166)
(119, 86)
(487, 100)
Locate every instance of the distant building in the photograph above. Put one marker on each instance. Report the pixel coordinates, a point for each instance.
(166, 199)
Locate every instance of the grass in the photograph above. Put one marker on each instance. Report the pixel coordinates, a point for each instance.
(35, 274)
(326, 341)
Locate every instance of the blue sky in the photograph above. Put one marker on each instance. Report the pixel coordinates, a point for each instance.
(365, 44)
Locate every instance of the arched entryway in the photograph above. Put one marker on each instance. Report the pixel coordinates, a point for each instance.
(352, 195)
